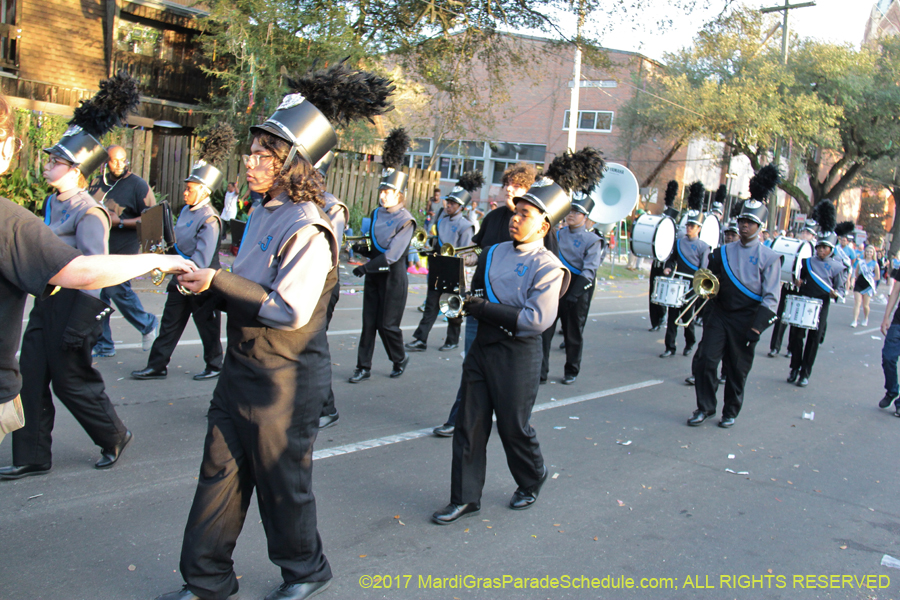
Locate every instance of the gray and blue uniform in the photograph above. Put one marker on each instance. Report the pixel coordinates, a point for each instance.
(56, 347)
(263, 418)
(688, 256)
(386, 283)
(196, 238)
(749, 276)
(818, 278)
(501, 372)
(580, 252)
(457, 231)
(338, 214)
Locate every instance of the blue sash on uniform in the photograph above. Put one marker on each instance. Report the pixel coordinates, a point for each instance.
(565, 263)
(487, 275)
(243, 237)
(734, 278)
(372, 232)
(185, 256)
(686, 261)
(437, 232)
(815, 278)
(47, 210)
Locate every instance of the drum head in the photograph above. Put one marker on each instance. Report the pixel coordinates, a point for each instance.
(664, 240)
(805, 251)
(709, 231)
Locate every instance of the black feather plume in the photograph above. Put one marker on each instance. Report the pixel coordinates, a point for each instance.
(736, 209)
(118, 96)
(471, 181)
(762, 184)
(721, 193)
(344, 95)
(218, 145)
(825, 216)
(696, 191)
(844, 228)
(395, 146)
(577, 172)
(671, 192)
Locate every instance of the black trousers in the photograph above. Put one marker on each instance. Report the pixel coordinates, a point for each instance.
(384, 300)
(725, 340)
(657, 312)
(546, 345)
(329, 408)
(77, 384)
(432, 309)
(500, 378)
(573, 316)
(803, 356)
(778, 328)
(179, 308)
(672, 330)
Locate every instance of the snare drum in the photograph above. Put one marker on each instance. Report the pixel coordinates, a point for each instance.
(801, 311)
(653, 236)
(670, 291)
(709, 231)
(794, 251)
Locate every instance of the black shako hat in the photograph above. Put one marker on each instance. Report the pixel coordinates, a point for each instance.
(214, 149)
(465, 187)
(583, 203)
(569, 172)
(761, 185)
(395, 146)
(94, 118)
(321, 101)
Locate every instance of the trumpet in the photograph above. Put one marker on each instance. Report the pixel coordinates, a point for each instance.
(419, 239)
(359, 238)
(705, 285)
(452, 305)
(449, 250)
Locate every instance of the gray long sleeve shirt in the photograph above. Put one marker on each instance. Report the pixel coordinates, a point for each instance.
(529, 277)
(79, 221)
(197, 233)
(825, 275)
(392, 232)
(288, 249)
(338, 214)
(757, 268)
(579, 250)
(456, 230)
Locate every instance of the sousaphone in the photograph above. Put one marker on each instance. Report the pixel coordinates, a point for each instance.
(616, 195)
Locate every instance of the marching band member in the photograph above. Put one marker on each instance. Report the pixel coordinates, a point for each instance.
(579, 251)
(516, 180)
(455, 229)
(657, 311)
(63, 328)
(691, 253)
(822, 277)
(338, 214)
(749, 274)
(386, 284)
(262, 421)
(807, 234)
(197, 238)
(521, 283)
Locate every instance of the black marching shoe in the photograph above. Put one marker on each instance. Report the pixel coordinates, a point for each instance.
(185, 594)
(562, 345)
(447, 347)
(792, 378)
(569, 379)
(690, 380)
(722, 378)
(359, 375)
(655, 328)
(772, 353)
(667, 353)
(886, 401)
(697, 418)
(298, 591)
(522, 499)
(454, 512)
(149, 373)
(416, 346)
(400, 367)
(445, 430)
(109, 456)
(207, 373)
(803, 381)
(726, 422)
(326, 421)
(688, 350)
(14, 472)
(543, 380)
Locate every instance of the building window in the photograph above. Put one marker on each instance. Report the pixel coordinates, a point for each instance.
(9, 35)
(502, 165)
(591, 120)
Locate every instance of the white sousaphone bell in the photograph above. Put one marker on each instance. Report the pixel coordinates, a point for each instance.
(614, 198)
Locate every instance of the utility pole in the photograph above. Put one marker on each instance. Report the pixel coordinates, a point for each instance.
(576, 83)
(785, 30)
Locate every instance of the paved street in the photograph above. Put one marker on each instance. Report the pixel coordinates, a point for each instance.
(634, 493)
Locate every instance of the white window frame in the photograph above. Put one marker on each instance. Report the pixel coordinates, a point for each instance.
(612, 116)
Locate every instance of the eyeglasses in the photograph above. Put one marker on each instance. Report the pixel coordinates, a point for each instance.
(251, 161)
(54, 161)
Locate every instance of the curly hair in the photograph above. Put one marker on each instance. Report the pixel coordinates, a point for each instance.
(7, 123)
(300, 180)
(520, 175)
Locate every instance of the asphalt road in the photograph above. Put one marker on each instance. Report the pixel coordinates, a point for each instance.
(635, 495)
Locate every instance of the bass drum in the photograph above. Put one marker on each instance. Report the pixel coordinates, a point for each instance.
(709, 231)
(653, 236)
(794, 251)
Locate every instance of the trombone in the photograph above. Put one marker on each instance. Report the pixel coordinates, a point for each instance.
(449, 250)
(705, 285)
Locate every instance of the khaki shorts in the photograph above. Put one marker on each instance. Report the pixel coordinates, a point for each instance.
(12, 416)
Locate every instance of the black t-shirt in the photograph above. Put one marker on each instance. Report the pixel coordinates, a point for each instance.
(495, 229)
(128, 197)
(896, 275)
(32, 255)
